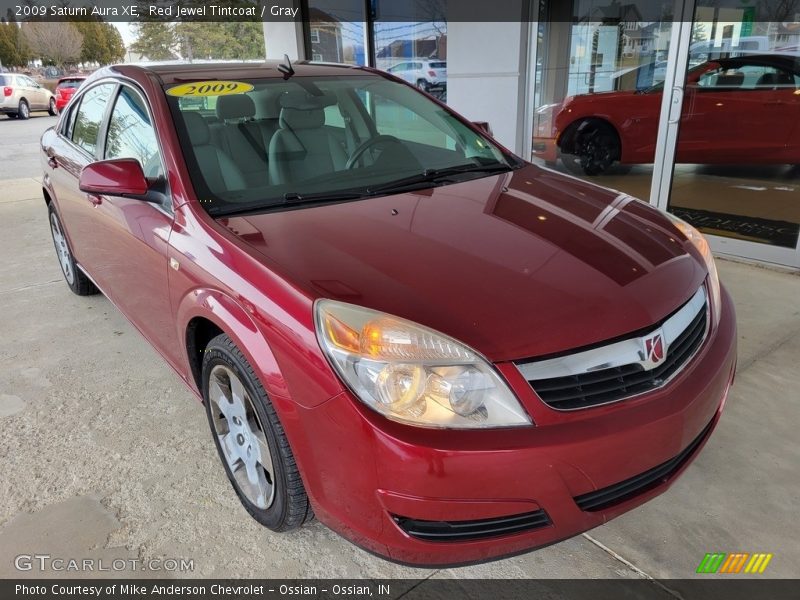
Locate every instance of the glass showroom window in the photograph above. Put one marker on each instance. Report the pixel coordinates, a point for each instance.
(596, 91)
(411, 43)
(737, 175)
(336, 31)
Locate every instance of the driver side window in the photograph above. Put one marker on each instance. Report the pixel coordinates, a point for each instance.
(131, 134)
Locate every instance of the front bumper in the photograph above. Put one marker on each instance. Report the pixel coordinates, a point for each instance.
(545, 148)
(410, 494)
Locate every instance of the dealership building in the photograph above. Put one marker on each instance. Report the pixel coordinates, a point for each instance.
(720, 148)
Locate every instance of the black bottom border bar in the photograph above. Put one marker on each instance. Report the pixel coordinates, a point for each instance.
(717, 588)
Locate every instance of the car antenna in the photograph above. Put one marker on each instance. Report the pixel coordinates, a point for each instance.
(286, 68)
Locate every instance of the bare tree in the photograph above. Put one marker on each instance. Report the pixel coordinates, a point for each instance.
(57, 42)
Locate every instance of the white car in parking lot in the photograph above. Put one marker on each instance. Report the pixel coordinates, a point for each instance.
(19, 95)
(426, 74)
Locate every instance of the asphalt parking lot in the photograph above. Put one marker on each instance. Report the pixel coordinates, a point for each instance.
(106, 455)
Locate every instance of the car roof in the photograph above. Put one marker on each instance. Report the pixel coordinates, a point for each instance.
(787, 62)
(169, 73)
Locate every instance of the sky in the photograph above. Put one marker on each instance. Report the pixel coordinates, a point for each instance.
(126, 31)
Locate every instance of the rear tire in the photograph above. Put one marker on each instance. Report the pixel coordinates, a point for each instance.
(241, 416)
(76, 279)
(23, 111)
(423, 85)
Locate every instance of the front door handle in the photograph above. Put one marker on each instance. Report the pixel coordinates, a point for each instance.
(52, 162)
(94, 199)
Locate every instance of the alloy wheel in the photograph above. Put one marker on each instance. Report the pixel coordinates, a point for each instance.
(241, 436)
(24, 111)
(597, 149)
(62, 249)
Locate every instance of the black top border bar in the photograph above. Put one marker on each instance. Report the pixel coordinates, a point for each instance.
(329, 11)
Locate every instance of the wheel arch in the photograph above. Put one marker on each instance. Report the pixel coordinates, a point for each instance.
(203, 314)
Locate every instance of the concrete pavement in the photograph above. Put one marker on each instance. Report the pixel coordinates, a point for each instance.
(104, 454)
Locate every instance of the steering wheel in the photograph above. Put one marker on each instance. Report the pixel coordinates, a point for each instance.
(377, 140)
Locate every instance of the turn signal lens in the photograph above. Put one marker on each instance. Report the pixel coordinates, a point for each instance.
(701, 243)
(412, 374)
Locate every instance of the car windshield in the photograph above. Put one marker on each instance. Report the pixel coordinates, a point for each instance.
(263, 144)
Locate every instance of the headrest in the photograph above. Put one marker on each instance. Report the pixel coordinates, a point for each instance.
(235, 106)
(197, 128)
(292, 118)
(302, 100)
(767, 80)
(270, 107)
(730, 80)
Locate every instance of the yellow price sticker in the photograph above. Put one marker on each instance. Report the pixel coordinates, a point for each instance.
(200, 89)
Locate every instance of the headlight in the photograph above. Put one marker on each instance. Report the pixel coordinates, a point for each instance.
(412, 374)
(702, 246)
(546, 108)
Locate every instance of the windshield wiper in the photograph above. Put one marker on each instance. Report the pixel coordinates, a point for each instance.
(434, 175)
(421, 180)
(293, 199)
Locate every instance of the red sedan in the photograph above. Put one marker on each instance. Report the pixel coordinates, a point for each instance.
(740, 110)
(443, 352)
(66, 88)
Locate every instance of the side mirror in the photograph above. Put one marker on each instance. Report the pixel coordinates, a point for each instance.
(118, 177)
(484, 126)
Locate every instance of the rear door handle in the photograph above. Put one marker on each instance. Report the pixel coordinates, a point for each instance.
(94, 199)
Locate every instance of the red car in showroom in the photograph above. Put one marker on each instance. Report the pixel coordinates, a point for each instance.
(65, 88)
(443, 352)
(736, 110)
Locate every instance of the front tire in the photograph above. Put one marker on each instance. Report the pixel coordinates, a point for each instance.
(23, 111)
(595, 147)
(250, 439)
(76, 279)
(52, 109)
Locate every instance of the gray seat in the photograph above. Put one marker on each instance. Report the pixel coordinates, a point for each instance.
(303, 147)
(217, 168)
(244, 140)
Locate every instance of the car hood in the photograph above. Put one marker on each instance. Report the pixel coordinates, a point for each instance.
(523, 264)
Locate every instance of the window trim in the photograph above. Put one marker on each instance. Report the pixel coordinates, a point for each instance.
(313, 35)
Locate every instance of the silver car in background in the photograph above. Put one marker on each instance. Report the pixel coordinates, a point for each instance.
(426, 74)
(20, 95)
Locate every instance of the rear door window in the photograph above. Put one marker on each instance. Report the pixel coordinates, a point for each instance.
(86, 130)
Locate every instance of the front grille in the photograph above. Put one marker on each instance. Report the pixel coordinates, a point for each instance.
(595, 385)
(625, 490)
(461, 531)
